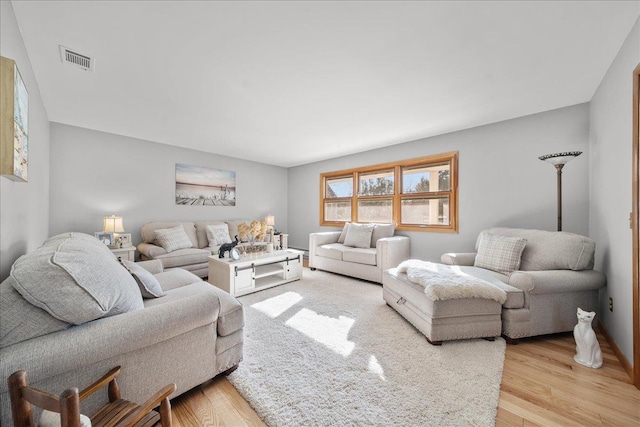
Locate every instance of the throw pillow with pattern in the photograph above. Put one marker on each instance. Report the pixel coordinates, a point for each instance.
(499, 253)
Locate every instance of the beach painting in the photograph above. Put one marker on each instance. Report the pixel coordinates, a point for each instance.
(202, 186)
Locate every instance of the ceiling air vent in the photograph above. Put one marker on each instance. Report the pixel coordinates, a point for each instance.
(76, 59)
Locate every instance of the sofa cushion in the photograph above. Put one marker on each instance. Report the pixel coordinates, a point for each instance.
(360, 255)
(343, 233)
(76, 281)
(148, 284)
(176, 278)
(20, 320)
(381, 231)
(148, 230)
(515, 296)
(218, 235)
(499, 253)
(332, 250)
(184, 257)
(172, 239)
(359, 235)
(551, 250)
(201, 232)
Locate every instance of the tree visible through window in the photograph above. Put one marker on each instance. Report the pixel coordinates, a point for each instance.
(416, 194)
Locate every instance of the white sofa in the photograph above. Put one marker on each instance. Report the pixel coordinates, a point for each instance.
(325, 253)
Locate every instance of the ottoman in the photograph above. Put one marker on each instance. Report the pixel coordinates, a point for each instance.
(441, 320)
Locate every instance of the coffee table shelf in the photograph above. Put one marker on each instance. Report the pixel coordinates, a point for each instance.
(255, 272)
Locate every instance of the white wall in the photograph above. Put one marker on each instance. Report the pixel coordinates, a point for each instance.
(94, 174)
(501, 180)
(610, 188)
(24, 207)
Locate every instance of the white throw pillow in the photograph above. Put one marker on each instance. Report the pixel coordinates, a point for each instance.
(147, 282)
(359, 235)
(218, 234)
(499, 253)
(343, 234)
(381, 231)
(172, 239)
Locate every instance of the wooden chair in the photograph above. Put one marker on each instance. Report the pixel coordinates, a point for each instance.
(117, 413)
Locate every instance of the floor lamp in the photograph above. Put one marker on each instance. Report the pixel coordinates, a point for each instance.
(559, 160)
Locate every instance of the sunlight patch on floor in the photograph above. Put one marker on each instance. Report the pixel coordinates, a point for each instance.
(330, 332)
(274, 307)
(375, 368)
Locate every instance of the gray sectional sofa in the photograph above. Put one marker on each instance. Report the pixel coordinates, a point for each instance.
(193, 259)
(187, 336)
(551, 277)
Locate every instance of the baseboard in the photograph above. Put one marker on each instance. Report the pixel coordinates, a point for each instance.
(616, 350)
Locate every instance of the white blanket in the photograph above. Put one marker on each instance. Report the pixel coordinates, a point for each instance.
(442, 282)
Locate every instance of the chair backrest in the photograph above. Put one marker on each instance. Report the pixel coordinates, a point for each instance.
(22, 397)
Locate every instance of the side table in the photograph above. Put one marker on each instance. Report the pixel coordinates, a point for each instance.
(128, 253)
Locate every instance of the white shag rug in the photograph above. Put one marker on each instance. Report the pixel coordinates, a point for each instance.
(328, 351)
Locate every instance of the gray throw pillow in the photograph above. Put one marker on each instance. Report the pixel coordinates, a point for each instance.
(148, 284)
(499, 253)
(172, 239)
(75, 281)
(359, 235)
(218, 234)
(381, 231)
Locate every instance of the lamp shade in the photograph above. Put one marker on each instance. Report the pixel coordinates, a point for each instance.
(113, 224)
(270, 220)
(560, 158)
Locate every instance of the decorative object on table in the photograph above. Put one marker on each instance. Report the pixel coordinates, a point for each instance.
(124, 240)
(227, 247)
(559, 160)
(284, 241)
(588, 351)
(202, 186)
(105, 237)
(276, 241)
(234, 254)
(270, 220)
(113, 224)
(270, 247)
(14, 123)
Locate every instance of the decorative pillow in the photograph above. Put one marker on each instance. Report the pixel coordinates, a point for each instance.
(218, 234)
(359, 235)
(148, 284)
(499, 253)
(380, 231)
(20, 320)
(343, 235)
(75, 281)
(172, 239)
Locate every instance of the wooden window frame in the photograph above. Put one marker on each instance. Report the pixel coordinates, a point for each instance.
(450, 158)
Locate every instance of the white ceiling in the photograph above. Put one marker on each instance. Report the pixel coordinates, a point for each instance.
(288, 83)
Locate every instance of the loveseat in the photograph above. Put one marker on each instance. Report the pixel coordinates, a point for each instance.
(187, 336)
(199, 246)
(374, 249)
(544, 276)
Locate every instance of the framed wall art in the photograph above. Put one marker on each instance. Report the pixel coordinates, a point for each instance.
(14, 123)
(202, 186)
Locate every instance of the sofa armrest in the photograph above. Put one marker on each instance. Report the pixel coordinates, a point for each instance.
(553, 281)
(153, 266)
(319, 239)
(150, 251)
(391, 251)
(462, 258)
(89, 343)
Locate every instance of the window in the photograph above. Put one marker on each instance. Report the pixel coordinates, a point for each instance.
(417, 194)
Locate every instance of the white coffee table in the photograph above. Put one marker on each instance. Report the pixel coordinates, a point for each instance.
(255, 272)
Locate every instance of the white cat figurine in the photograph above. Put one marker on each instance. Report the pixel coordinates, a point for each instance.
(587, 347)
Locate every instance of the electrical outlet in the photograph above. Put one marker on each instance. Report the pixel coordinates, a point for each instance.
(610, 304)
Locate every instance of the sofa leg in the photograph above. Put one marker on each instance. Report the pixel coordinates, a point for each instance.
(312, 268)
(434, 342)
(228, 371)
(489, 338)
(512, 341)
